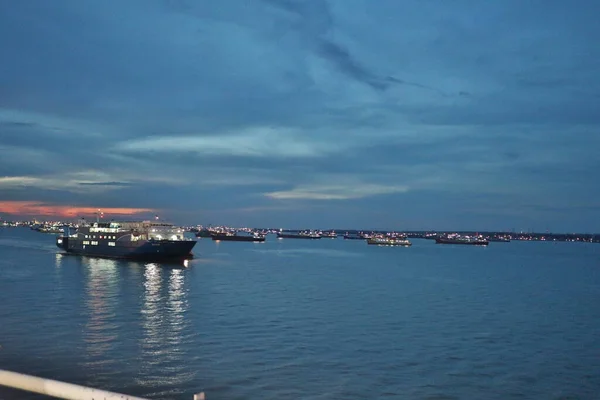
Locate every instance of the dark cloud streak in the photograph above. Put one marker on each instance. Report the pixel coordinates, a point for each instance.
(119, 184)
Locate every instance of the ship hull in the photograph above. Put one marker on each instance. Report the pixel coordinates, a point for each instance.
(462, 242)
(149, 250)
(235, 238)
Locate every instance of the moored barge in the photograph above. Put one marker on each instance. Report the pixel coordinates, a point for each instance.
(299, 235)
(234, 237)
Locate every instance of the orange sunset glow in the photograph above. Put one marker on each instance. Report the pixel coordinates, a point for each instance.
(35, 208)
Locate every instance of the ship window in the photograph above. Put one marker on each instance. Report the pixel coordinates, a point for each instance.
(94, 243)
(86, 242)
(111, 243)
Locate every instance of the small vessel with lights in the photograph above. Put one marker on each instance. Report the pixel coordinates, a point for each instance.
(499, 238)
(299, 235)
(237, 237)
(389, 241)
(465, 240)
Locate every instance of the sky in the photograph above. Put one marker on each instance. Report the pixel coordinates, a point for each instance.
(387, 114)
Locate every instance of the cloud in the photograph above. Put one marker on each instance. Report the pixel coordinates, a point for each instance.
(335, 191)
(40, 209)
(17, 181)
(260, 142)
(105, 183)
(92, 180)
(48, 124)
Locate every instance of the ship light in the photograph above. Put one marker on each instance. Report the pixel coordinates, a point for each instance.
(59, 241)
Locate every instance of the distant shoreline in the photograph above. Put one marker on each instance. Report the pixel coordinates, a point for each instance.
(424, 234)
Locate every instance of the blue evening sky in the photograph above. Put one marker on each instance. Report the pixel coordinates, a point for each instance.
(391, 114)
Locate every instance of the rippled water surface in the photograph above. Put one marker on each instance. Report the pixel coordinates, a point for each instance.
(295, 319)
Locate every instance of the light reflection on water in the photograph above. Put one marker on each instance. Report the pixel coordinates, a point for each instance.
(101, 329)
(165, 327)
(58, 260)
(151, 314)
(58, 280)
(177, 304)
(161, 306)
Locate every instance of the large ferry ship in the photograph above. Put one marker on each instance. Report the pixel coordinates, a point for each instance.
(147, 240)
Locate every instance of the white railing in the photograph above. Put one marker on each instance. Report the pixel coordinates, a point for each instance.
(63, 390)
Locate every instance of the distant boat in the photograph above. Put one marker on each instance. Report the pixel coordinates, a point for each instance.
(235, 237)
(49, 229)
(299, 235)
(498, 239)
(330, 235)
(389, 241)
(353, 237)
(151, 241)
(476, 241)
(203, 233)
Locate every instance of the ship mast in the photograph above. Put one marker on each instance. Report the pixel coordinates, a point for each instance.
(99, 214)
